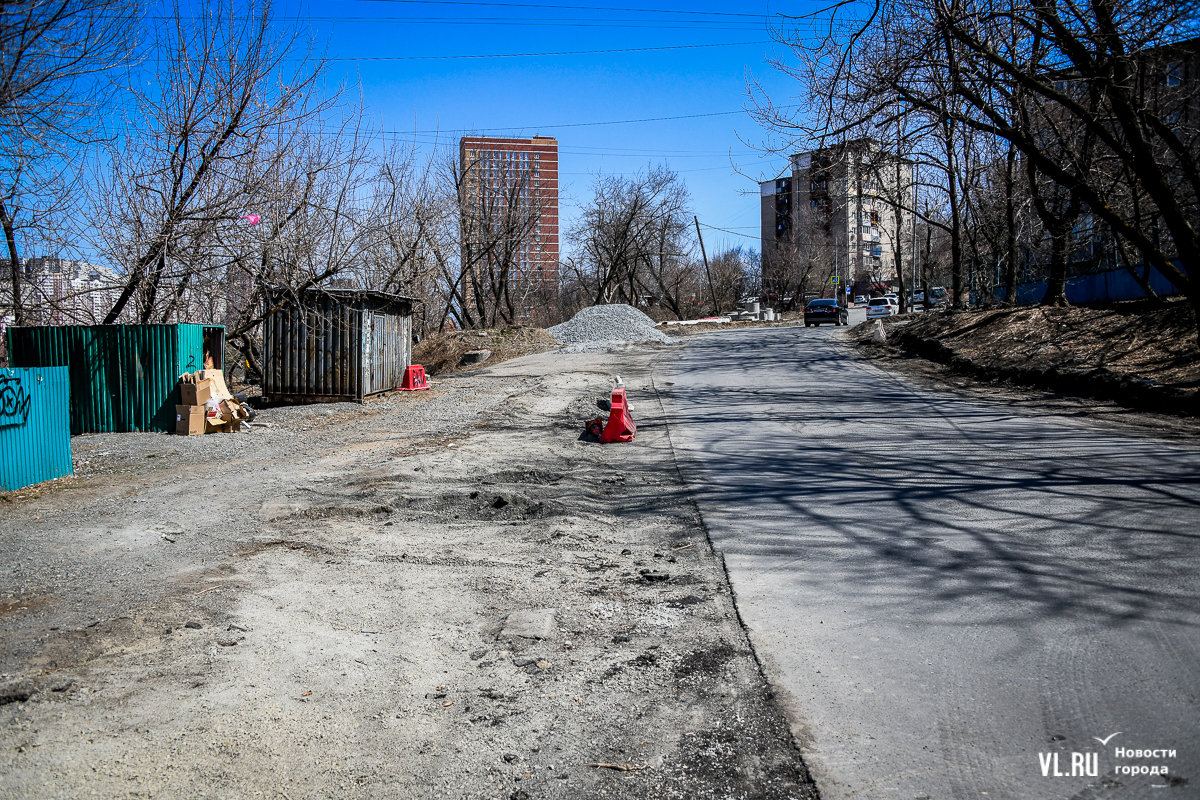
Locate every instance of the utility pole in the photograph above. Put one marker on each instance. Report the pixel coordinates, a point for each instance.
(925, 303)
(835, 259)
(712, 289)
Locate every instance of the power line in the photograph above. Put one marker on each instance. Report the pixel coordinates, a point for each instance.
(648, 154)
(531, 20)
(688, 24)
(571, 8)
(536, 55)
(672, 24)
(399, 133)
(692, 25)
(731, 233)
(583, 149)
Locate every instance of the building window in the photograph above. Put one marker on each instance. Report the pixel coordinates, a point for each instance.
(1174, 74)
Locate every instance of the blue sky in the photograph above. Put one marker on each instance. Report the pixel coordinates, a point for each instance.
(385, 46)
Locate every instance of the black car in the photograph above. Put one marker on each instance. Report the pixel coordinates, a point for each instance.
(819, 311)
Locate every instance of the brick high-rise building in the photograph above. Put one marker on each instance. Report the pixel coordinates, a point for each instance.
(510, 218)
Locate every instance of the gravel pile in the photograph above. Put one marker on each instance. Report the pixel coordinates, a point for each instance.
(601, 328)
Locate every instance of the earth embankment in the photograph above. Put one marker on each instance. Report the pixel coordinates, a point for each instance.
(1138, 355)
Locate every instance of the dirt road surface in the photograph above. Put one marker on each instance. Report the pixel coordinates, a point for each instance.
(444, 594)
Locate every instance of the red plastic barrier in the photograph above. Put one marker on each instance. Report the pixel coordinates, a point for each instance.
(620, 427)
(414, 379)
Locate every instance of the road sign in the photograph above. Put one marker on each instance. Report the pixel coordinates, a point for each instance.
(835, 280)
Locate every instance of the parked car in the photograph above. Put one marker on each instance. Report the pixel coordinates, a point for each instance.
(880, 307)
(938, 296)
(819, 311)
(860, 299)
(918, 296)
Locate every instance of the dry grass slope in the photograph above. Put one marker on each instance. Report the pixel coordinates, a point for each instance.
(443, 353)
(1136, 354)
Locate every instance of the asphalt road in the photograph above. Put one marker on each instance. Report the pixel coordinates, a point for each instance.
(951, 596)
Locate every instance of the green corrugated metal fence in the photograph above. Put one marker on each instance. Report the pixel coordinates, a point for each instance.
(35, 429)
(123, 377)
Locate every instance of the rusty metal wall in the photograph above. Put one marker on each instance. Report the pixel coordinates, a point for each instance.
(389, 355)
(311, 351)
(333, 348)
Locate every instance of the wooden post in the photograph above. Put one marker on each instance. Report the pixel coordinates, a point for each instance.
(711, 289)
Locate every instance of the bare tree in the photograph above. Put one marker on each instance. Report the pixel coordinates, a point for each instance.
(222, 111)
(733, 275)
(794, 269)
(633, 241)
(1100, 97)
(500, 275)
(1109, 76)
(320, 210)
(52, 58)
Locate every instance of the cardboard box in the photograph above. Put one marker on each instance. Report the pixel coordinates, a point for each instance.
(196, 394)
(218, 379)
(189, 420)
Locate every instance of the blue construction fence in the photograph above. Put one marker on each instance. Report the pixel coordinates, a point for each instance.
(35, 426)
(1096, 287)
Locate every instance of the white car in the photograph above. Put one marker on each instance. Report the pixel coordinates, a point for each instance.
(879, 307)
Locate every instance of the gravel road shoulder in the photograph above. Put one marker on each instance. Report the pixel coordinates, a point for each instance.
(441, 594)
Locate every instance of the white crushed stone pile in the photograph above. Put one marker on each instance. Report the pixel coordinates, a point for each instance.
(601, 328)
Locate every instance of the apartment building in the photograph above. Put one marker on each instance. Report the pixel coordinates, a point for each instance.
(509, 203)
(837, 213)
(60, 291)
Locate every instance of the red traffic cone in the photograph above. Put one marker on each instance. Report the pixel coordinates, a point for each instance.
(414, 379)
(620, 427)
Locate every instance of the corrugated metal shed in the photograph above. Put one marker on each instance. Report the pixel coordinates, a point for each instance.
(123, 377)
(335, 344)
(35, 426)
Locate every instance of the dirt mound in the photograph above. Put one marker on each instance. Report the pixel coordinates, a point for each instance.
(444, 352)
(1133, 353)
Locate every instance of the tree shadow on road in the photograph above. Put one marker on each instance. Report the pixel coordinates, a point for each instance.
(966, 511)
